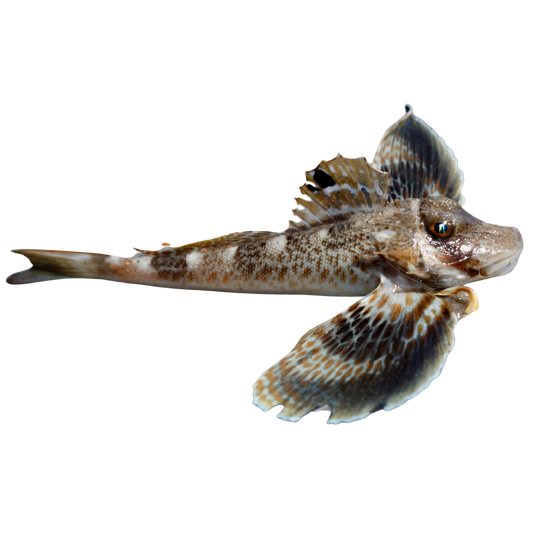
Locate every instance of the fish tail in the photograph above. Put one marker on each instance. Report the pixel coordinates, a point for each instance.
(51, 264)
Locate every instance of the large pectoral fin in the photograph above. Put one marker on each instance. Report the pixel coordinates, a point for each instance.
(377, 354)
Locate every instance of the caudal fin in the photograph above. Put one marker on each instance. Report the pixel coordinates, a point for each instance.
(51, 264)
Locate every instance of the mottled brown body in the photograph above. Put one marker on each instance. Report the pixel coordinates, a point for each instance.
(331, 260)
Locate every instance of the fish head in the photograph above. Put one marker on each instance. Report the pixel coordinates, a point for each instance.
(434, 241)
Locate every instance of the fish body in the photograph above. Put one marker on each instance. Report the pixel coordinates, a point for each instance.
(345, 258)
(333, 260)
(394, 232)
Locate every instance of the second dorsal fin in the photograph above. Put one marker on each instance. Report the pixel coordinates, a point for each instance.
(338, 188)
(233, 239)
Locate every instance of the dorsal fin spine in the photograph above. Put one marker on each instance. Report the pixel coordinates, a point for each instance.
(339, 188)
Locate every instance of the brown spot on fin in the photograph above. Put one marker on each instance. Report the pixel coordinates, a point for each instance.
(339, 188)
(379, 353)
(419, 161)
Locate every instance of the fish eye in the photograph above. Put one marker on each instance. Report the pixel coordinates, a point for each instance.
(441, 229)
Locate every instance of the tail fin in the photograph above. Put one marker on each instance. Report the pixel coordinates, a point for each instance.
(51, 264)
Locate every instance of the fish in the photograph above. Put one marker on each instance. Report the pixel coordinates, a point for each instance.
(393, 233)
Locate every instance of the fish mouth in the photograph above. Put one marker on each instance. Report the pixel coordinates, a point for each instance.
(500, 268)
(505, 265)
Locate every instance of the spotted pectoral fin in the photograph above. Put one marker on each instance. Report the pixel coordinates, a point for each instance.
(419, 161)
(377, 354)
(339, 188)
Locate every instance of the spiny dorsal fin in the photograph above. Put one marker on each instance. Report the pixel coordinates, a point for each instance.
(233, 239)
(332, 189)
(419, 161)
(338, 188)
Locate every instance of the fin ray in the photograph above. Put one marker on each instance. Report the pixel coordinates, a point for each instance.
(339, 188)
(232, 239)
(380, 352)
(419, 161)
(54, 264)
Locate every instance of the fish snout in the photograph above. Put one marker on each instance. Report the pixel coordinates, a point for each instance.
(506, 259)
